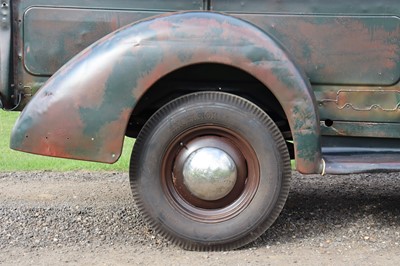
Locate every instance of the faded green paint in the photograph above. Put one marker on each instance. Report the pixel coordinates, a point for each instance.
(71, 31)
(128, 69)
(342, 50)
(306, 144)
(362, 104)
(348, 50)
(365, 7)
(361, 129)
(116, 13)
(310, 39)
(147, 49)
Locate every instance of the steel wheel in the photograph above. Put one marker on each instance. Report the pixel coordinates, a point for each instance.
(210, 197)
(210, 171)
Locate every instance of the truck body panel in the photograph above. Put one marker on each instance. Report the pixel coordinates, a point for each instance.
(349, 51)
(365, 54)
(132, 59)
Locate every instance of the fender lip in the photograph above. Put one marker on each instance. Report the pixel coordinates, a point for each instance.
(83, 110)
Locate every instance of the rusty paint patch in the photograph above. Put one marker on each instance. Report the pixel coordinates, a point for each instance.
(362, 104)
(361, 129)
(139, 55)
(366, 100)
(350, 50)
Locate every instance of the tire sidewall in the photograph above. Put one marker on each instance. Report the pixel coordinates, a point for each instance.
(181, 117)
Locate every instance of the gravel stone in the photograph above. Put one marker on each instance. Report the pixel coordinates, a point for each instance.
(354, 218)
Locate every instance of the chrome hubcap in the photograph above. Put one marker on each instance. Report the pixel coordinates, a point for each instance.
(209, 173)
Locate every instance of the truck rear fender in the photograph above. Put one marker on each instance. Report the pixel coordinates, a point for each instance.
(83, 110)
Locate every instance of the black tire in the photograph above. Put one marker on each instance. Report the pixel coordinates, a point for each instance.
(240, 129)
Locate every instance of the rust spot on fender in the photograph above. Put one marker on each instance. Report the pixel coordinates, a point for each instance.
(121, 67)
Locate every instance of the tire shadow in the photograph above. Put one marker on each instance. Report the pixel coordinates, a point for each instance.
(321, 208)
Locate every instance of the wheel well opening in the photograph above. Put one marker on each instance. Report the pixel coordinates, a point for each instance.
(208, 77)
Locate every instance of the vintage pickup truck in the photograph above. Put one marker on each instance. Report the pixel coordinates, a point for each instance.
(220, 96)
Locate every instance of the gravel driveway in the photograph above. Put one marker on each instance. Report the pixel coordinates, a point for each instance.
(82, 218)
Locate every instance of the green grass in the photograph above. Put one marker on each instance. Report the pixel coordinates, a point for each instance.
(11, 160)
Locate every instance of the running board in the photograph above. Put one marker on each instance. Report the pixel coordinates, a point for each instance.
(347, 163)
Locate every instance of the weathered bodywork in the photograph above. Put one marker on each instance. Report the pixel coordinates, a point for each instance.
(130, 60)
(219, 94)
(334, 69)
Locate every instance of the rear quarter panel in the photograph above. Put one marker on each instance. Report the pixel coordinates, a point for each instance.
(349, 49)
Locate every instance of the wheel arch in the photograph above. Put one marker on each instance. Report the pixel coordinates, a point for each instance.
(200, 77)
(95, 93)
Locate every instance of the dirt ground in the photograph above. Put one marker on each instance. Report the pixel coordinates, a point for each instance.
(89, 218)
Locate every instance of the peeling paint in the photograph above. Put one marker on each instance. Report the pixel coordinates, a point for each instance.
(135, 68)
(337, 62)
